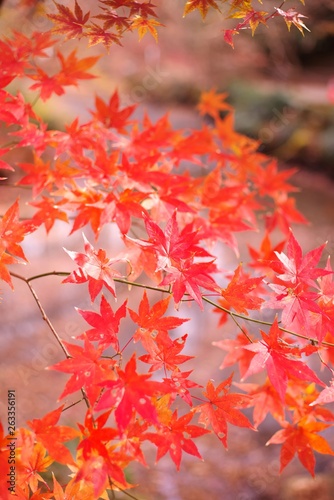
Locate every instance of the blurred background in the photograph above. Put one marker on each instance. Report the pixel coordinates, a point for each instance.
(282, 87)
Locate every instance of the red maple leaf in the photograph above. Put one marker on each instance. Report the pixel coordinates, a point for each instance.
(94, 267)
(72, 69)
(106, 324)
(12, 233)
(95, 436)
(266, 253)
(68, 23)
(189, 277)
(48, 212)
(130, 392)
(52, 435)
(88, 370)
(179, 385)
(301, 438)
(175, 437)
(222, 408)
(295, 268)
(280, 360)
(238, 293)
(97, 34)
(236, 352)
(167, 355)
(265, 399)
(111, 115)
(170, 245)
(152, 322)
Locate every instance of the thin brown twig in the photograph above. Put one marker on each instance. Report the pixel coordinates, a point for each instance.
(48, 322)
(205, 299)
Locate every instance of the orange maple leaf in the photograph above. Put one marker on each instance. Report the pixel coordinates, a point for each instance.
(201, 5)
(302, 439)
(52, 436)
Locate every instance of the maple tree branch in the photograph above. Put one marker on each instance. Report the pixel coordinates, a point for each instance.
(267, 323)
(240, 327)
(72, 404)
(121, 490)
(43, 313)
(205, 299)
(48, 322)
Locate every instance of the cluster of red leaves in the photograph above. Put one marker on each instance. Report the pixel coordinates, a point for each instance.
(171, 195)
(112, 19)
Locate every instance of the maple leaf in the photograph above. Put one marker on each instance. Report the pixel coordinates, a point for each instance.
(42, 176)
(179, 385)
(52, 436)
(284, 215)
(30, 467)
(265, 399)
(266, 253)
(175, 437)
(95, 435)
(222, 408)
(72, 490)
(130, 392)
(13, 231)
(68, 23)
(94, 267)
(299, 398)
(88, 370)
(89, 206)
(5, 260)
(167, 356)
(298, 269)
(73, 69)
(228, 36)
(98, 461)
(144, 26)
(189, 277)
(279, 359)
(97, 474)
(326, 284)
(144, 9)
(235, 353)
(110, 19)
(106, 324)
(291, 16)
(326, 396)
(151, 321)
(238, 293)
(171, 245)
(120, 208)
(302, 439)
(201, 5)
(110, 113)
(96, 34)
(213, 103)
(48, 212)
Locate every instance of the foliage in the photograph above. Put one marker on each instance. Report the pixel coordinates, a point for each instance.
(187, 193)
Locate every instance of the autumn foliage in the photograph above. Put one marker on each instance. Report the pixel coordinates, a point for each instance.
(175, 200)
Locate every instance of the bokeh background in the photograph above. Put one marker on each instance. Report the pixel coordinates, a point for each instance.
(282, 87)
